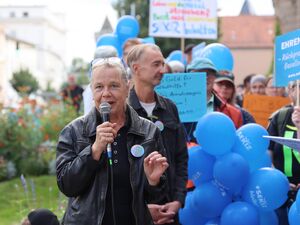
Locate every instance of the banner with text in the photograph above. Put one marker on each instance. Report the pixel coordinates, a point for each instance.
(188, 91)
(183, 19)
(287, 58)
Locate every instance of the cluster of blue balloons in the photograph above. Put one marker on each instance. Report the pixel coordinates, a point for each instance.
(127, 27)
(294, 212)
(218, 53)
(232, 173)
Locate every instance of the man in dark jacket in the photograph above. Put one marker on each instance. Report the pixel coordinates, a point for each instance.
(147, 66)
(110, 170)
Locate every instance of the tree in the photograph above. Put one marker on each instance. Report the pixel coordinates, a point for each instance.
(142, 15)
(24, 82)
(81, 69)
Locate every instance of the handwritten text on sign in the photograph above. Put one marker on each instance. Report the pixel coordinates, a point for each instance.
(188, 91)
(183, 18)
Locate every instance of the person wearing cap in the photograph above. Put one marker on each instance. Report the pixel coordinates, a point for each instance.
(104, 51)
(41, 217)
(188, 52)
(258, 84)
(224, 86)
(147, 65)
(214, 102)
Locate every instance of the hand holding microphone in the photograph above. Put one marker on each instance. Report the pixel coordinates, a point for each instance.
(105, 132)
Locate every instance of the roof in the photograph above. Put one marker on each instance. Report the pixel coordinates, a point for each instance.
(247, 8)
(247, 31)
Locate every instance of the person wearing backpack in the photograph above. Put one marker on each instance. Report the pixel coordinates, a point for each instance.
(285, 122)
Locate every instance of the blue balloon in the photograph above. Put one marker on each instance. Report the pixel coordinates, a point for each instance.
(110, 39)
(268, 218)
(240, 213)
(200, 166)
(250, 142)
(294, 215)
(127, 27)
(215, 221)
(298, 200)
(262, 161)
(189, 215)
(267, 189)
(232, 172)
(215, 132)
(177, 55)
(210, 199)
(220, 55)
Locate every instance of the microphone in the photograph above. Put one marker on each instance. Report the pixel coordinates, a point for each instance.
(104, 109)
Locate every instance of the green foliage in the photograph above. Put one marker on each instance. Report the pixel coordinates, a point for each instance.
(16, 203)
(83, 79)
(19, 135)
(34, 166)
(54, 119)
(81, 69)
(24, 82)
(27, 139)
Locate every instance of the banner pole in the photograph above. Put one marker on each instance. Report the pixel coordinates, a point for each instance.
(297, 104)
(182, 49)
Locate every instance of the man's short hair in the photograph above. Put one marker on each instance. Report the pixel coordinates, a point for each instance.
(137, 52)
(131, 42)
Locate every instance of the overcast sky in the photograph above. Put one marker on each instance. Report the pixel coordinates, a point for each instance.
(85, 17)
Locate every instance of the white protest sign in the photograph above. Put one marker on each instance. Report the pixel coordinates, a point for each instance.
(183, 19)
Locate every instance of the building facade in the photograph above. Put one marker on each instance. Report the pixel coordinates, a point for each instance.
(35, 38)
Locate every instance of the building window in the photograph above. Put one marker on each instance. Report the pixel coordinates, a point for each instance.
(12, 14)
(25, 14)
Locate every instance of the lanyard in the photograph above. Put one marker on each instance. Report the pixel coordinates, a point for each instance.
(288, 155)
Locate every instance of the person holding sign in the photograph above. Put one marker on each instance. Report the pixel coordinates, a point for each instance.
(214, 102)
(286, 123)
(147, 65)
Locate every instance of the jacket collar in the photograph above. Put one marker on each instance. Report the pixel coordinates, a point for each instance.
(90, 123)
(133, 101)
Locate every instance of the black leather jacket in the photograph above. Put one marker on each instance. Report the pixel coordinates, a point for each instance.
(174, 141)
(85, 180)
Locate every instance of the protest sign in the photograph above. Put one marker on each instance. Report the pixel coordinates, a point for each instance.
(262, 106)
(287, 58)
(188, 91)
(183, 18)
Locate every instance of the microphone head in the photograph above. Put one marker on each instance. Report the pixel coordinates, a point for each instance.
(104, 108)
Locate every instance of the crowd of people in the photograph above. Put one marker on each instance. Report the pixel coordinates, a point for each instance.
(131, 167)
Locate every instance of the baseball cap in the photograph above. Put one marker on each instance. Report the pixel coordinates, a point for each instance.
(224, 76)
(201, 64)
